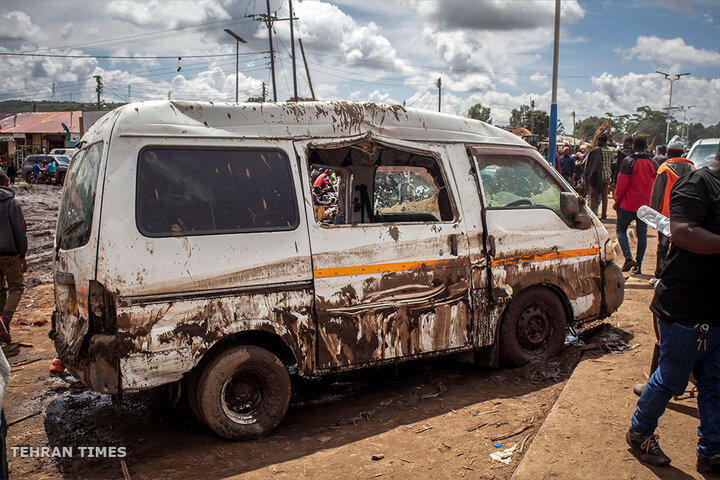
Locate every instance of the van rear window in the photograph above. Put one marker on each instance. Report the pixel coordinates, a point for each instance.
(203, 191)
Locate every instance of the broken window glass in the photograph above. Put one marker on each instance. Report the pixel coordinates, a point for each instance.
(77, 205)
(512, 181)
(197, 191)
(409, 194)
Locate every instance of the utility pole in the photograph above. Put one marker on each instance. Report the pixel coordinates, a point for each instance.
(168, 95)
(552, 147)
(573, 115)
(128, 93)
(98, 89)
(238, 41)
(263, 92)
(439, 87)
(53, 91)
(268, 22)
(532, 116)
(292, 50)
(307, 70)
(669, 109)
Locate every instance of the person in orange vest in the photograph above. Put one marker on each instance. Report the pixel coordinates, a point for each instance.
(669, 171)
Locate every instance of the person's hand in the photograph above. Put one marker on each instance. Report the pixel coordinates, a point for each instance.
(615, 206)
(24, 265)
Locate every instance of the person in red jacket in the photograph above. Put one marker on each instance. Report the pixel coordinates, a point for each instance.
(634, 187)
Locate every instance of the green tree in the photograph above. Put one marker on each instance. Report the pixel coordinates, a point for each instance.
(586, 128)
(537, 121)
(254, 100)
(478, 112)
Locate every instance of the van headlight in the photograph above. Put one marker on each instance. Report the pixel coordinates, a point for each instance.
(609, 251)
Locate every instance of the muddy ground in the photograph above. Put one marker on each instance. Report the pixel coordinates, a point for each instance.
(437, 418)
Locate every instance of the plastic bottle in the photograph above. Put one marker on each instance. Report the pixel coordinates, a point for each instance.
(655, 219)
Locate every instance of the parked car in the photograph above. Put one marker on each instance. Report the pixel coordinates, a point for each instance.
(703, 151)
(209, 265)
(69, 152)
(61, 163)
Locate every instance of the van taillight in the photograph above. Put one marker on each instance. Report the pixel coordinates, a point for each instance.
(101, 309)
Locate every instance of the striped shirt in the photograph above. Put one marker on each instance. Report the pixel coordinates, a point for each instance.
(607, 157)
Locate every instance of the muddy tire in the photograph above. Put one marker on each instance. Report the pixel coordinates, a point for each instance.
(242, 393)
(29, 178)
(193, 378)
(533, 327)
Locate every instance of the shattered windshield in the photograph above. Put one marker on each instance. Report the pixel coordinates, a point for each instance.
(76, 207)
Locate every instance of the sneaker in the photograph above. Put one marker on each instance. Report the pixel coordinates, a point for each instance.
(647, 449)
(710, 465)
(637, 268)
(653, 281)
(629, 263)
(4, 330)
(638, 388)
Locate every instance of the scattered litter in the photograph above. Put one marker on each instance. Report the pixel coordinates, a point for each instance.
(572, 339)
(508, 435)
(497, 445)
(479, 425)
(483, 413)
(125, 471)
(505, 456)
(25, 362)
(325, 439)
(378, 456)
(522, 445)
(424, 429)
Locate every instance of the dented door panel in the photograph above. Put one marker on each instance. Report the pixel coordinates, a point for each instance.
(164, 339)
(389, 290)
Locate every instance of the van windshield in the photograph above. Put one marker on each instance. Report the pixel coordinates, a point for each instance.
(78, 200)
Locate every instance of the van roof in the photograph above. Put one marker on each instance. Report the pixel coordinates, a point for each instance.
(301, 120)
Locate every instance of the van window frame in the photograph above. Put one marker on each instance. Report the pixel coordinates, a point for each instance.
(279, 150)
(529, 158)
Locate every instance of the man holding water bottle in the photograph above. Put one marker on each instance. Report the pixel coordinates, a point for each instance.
(687, 304)
(674, 167)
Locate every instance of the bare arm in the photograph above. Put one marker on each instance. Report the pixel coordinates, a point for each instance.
(692, 237)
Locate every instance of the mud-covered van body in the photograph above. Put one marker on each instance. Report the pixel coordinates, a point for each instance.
(190, 246)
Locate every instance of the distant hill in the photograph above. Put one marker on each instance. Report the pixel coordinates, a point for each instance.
(16, 106)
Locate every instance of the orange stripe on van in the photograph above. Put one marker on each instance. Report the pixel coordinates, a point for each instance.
(583, 252)
(380, 268)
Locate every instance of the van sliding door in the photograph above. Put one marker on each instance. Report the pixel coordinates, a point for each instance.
(392, 278)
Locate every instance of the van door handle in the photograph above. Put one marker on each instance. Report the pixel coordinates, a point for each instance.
(453, 245)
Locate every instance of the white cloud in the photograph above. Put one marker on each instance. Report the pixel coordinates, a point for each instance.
(673, 52)
(166, 14)
(326, 29)
(16, 25)
(67, 30)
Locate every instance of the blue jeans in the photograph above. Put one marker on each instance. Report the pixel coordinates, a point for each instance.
(624, 218)
(680, 354)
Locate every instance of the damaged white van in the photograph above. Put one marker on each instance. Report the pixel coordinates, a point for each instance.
(228, 245)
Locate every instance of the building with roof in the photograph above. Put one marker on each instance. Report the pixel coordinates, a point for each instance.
(22, 134)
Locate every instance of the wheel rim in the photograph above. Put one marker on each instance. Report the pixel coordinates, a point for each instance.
(242, 395)
(534, 328)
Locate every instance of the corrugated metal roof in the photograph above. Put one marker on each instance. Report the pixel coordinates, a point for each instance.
(41, 122)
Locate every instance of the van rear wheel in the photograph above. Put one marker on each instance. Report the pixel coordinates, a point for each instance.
(533, 327)
(242, 393)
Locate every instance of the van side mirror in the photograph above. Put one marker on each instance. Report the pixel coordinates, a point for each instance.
(569, 204)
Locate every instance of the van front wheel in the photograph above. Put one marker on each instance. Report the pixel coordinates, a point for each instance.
(533, 327)
(243, 393)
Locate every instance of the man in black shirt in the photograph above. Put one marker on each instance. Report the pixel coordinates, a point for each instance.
(688, 305)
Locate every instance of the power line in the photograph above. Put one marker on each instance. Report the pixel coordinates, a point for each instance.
(53, 55)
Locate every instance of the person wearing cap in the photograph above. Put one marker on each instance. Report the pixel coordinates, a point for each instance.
(598, 173)
(567, 165)
(668, 173)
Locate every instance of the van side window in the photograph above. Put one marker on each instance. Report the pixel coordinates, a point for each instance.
(409, 194)
(514, 181)
(201, 191)
(78, 201)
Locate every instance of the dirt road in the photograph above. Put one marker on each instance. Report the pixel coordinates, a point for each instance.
(435, 418)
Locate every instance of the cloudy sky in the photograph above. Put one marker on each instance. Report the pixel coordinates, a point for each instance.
(494, 52)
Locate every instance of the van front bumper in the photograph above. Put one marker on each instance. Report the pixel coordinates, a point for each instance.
(92, 366)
